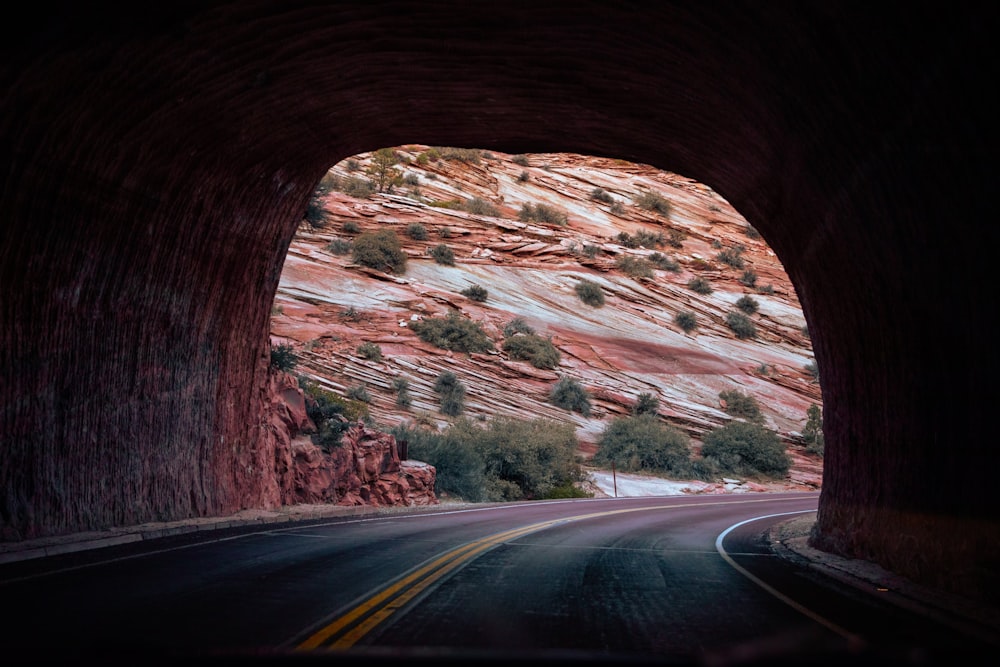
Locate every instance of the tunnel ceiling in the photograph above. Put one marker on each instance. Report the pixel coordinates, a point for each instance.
(157, 159)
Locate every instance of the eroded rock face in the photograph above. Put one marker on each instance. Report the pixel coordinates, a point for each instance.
(364, 470)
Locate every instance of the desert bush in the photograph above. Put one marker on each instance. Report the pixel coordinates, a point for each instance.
(542, 213)
(627, 240)
(741, 405)
(590, 293)
(453, 332)
(442, 254)
(283, 358)
(476, 293)
(664, 263)
(643, 442)
(470, 155)
(520, 159)
(812, 432)
(741, 325)
(601, 195)
(452, 393)
(316, 215)
(813, 370)
(459, 466)
(731, 256)
(416, 231)
(699, 285)
(676, 238)
(539, 352)
(523, 177)
(645, 403)
(653, 201)
(590, 250)
(749, 278)
(686, 320)
(331, 414)
(571, 395)
(647, 239)
(636, 267)
(751, 232)
(351, 227)
(359, 392)
(748, 304)
(370, 351)
(617, 208)
(380, 250)
(402, 388)
(383, 171)
(339, 247)
(411, 179)
(745, 448)
(359, 188)
(516, 326)
(479, 206)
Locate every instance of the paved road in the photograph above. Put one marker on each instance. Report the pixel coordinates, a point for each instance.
(688, 580)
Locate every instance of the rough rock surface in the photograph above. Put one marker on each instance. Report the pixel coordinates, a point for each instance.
(328, 305)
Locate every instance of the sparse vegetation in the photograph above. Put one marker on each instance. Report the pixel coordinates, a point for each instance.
(636, 267)
(643, 443)
(331, 414)
(812, 432)
(477, 293)
(741, 325)
(686, 320)
(739, 404)
(370, 351)
(452, 393)
(653, 201)
(601, 195)
(351, 227)
(542, 213)
(569, 394)
(748, 304)
(443, 254)
(731, 256)
(590, 293)
(664, 263)
(539, 352)
(699, 285)
(402, 388)
(479, 206)
(747, 449)
(416, 231)
(453, 332)
(383, 170)
(380, 250)
(359, 392)
(516, 326)
(749, 278)
(339, 247)
(646, 403)
(283, 358)
(520, 159)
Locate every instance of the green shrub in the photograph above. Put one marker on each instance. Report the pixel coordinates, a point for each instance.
(686, 320)
(643, 442)
(459, 466)
(453, 332)
(699, 285)
(570, 395)
(812, 432)
(590, 293)
(741, 405)
(316, 215)
(416, 231)
(542, 213)
(359, 188)
(283, 358)
(748, 304)
(479, 206)
(331, 414)
(653, 201)
(383, 171)
(442, 254)
(813, 370)
(476, 293)
(452, 393)
(370, 351)
(647, 239)
(351, 227)
(402, 388)
(380, 250)
(516, 326)
(359, 392)
(636, 267)
(741, 325)
(444, 232)
(646, 403)
(746, 448)
(411, 179)
(538, 351)
(339, 247)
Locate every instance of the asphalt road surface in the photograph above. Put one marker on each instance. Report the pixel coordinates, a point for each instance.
(670, 580)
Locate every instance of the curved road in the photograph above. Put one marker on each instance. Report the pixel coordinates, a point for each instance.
(679, 579)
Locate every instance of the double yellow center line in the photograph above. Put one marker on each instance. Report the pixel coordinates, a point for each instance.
(349, 628)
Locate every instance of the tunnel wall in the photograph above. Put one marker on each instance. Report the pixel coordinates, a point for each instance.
(158, 160)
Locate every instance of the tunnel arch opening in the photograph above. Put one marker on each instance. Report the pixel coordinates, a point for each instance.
(695, 308)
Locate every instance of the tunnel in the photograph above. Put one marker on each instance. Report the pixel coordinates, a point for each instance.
(157, 160)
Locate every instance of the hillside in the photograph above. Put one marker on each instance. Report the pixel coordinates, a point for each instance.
(477, 203)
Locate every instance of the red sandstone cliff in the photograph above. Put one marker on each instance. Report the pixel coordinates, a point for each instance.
(327, 305)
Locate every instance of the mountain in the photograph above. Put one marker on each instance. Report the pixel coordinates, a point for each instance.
(522, 234)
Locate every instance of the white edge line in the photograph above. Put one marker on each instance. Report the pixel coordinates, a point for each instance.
(850, 636)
